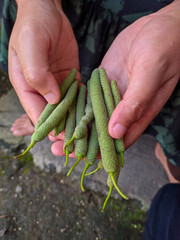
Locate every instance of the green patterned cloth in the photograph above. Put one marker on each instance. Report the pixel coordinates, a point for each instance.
(8, 10)
(166, 127)
(96, 23)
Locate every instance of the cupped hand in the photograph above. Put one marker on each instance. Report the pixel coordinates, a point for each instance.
(144, 59)
(42, 50)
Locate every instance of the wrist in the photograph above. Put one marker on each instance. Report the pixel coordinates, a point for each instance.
(23, 2)
(171, 10)
(38, 4)
(176, 3)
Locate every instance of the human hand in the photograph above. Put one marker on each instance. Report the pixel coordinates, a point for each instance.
(144, 60)
(42, 50)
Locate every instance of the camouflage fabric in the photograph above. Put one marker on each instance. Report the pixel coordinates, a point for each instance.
(96, 23)
(166, 127)
(8, 11)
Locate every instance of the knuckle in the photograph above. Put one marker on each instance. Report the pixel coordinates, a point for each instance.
(34, 77)
(137, 110)
(28, 30)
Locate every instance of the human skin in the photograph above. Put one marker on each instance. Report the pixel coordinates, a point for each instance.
(42, 51)
(144, 59)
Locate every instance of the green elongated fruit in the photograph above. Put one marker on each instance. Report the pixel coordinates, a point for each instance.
(58, 113)
(106, 143)
(112, 98)
(81, 144)
(49, 108)
(69, 129)
(115, 92)
(93, 148)
(60, 127)
(82, 127)
(108, 98)
(119, 144)
(110, 105)
(92, 152)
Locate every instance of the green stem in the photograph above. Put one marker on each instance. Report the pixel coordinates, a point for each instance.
(27, 150)
(67, 157)
(107, 198)
(116, 186)
(76, 163)
(96, 170)
(70, 141)
(122, 159)
(82, 176)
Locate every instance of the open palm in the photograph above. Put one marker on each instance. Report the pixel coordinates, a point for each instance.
(144, 59)
(42, 51)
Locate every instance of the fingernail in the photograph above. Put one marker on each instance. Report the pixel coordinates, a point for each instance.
(16, 133)
(50, 98)
(119, 130)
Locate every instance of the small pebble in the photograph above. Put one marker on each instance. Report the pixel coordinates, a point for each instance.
(2, 232)
(62, 181)
(18, 189)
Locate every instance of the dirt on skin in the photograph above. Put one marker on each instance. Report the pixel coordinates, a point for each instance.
(37, 205)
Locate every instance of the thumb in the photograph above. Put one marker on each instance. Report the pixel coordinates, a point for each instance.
(33, 57)
(134, 104)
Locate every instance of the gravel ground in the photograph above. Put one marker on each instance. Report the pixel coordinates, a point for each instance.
(39, 205)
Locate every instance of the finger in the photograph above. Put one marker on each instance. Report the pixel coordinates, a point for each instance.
(144, 83)
(57, 149)
(33, 57)
(154, 108)
(60, 136)
(52, 138)
(32, 102)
